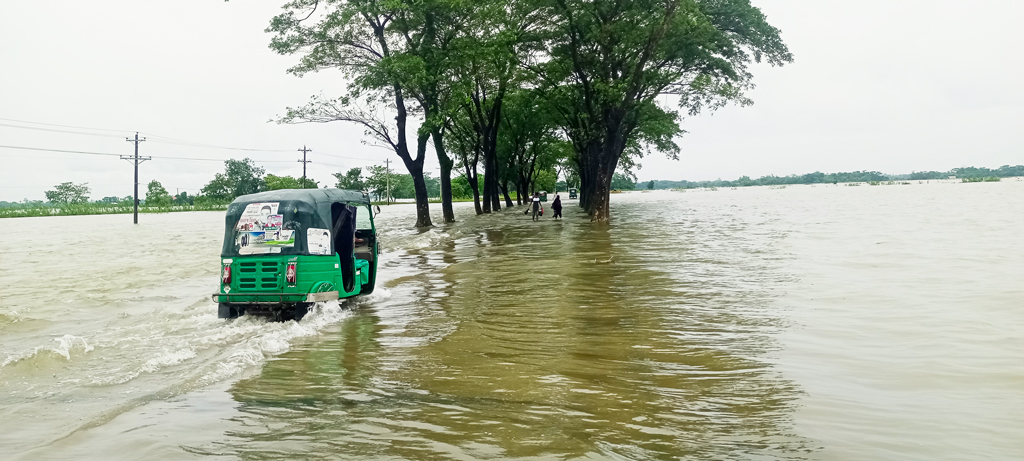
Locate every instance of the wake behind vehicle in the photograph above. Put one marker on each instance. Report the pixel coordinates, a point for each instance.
(286, 249)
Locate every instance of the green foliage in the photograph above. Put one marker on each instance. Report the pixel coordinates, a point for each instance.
(240, 177)
(68, 193)
(352, 179)
(650, 185)
(38, 209)
(608, 61)
(500, 77)
(156, 195)
(183, 199)
(461, 188)
(620, 181)
(380, 182)
(545, 180)
(274, 182)
(870, 177)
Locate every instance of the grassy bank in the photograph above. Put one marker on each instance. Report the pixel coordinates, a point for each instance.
(91, 209)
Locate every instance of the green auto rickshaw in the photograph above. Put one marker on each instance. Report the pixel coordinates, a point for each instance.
(286, 249)
(573, 193)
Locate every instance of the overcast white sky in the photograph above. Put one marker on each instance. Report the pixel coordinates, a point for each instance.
(888, 85)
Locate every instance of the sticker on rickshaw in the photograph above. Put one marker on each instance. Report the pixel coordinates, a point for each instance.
(259, 230)
(318, 241)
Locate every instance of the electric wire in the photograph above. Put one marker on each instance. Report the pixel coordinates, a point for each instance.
(160, 139)
(62, 126)
(160, 157)
(60, 131)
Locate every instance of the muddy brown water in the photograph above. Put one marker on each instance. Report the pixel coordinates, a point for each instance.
(825, 322)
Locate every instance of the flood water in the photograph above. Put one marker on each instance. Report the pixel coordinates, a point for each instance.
(806, 322)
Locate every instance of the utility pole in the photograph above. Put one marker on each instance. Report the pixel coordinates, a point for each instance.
(136, 160)
(304, 162)
(387, 179)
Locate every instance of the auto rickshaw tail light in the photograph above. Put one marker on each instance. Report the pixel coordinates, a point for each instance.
(289, 274)
(225, 276)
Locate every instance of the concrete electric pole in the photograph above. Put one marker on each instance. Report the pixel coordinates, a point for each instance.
(136, 160)
(304, 162)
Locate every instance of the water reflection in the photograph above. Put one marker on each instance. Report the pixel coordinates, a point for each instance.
(554, 339)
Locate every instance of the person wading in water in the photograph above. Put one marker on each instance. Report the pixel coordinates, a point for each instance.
(536, 205)
(556, 206)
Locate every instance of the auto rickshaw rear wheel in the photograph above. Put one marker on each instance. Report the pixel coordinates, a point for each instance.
(227, 311)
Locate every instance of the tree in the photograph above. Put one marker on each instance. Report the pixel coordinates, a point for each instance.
(352, 179)
(467, 146)
(460, 188)
(545, 180)
(183, 199)
(606, 61)
(156, 195)
(650, 185)
(240, 177)
(274, 182)
(495, 42)
(217, 190)
(381, 182)
(528, 141)
(621, 181)
(68, 193)
(365, 40)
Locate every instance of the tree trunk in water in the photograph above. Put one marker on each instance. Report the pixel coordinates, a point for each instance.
(495, 189)
(604, 159)
(504, 191)
(491, 197)
(588, 162)
(602, 192)
(419, 185)
(488, 178)
(446, 175)
(474, 184)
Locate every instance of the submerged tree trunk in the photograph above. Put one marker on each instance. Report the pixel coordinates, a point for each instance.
(495, 189)
(488, 178)
(504, 191)
(419, 185)
(446, 175)
(474, 184)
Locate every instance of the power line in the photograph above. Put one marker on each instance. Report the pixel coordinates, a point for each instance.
(118, 155)
(62, 126)
(153, 137)
(60, 150)
(175, 142)
(60, 131)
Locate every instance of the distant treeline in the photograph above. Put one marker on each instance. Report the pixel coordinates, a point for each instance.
(1004, 171)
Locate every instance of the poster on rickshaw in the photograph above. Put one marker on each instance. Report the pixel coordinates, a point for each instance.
(318, 241)
(260, 230)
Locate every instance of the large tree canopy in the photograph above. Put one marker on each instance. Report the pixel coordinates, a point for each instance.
(240, 177)
(605, 62)
(587, 72)
(69, 193)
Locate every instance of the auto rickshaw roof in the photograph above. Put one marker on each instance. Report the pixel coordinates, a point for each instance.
(311, 196)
